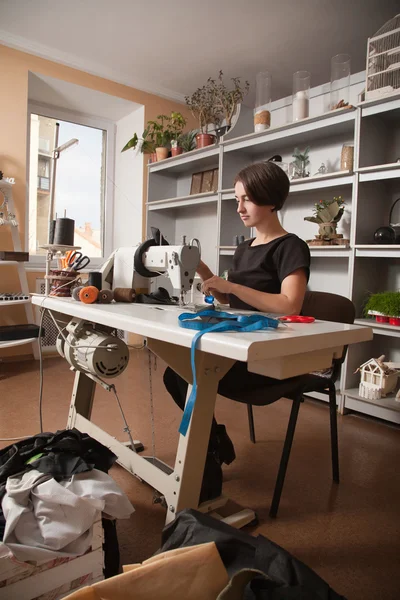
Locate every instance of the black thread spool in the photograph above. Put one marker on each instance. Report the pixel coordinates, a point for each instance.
(64, 232)
(52, 231)
(95, 279)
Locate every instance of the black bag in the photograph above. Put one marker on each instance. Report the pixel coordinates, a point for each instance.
(288, 578)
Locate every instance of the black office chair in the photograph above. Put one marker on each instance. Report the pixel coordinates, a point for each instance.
(325, 307)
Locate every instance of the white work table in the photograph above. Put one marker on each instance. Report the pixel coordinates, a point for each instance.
(290, 350)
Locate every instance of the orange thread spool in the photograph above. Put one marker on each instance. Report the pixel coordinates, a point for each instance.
(89, 294)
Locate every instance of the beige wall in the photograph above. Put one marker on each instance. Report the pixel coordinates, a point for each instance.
(14, 68)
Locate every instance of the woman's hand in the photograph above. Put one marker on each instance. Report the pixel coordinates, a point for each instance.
(216, 284)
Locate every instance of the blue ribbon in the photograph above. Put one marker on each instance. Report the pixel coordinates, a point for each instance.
(227, 322)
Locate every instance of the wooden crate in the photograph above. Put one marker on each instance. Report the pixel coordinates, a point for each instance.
(54, 579)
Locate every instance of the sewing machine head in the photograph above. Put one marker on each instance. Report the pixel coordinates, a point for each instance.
(133, 267)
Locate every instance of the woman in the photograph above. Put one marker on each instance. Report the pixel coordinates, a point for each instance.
(270, 274)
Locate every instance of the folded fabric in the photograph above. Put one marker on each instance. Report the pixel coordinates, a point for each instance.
(47, 519)
(195, 573)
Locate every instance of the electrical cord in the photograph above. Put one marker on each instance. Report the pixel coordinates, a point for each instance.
(111, 347)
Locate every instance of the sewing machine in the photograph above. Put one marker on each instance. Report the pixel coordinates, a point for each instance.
(133, 267)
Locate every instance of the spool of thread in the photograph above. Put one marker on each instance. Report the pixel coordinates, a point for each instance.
(105, 297)
(76, 291)
(95, 279)
(64, 232)
(52, 231)
(124, 295)
(88, 294)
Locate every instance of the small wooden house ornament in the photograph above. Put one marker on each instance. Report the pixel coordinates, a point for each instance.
(378, 379)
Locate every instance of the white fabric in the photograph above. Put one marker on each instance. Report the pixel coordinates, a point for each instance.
(47, 519)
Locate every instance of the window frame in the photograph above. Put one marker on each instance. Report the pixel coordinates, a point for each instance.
(38, 262)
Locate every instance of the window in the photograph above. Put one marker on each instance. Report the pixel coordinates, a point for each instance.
(79, 174)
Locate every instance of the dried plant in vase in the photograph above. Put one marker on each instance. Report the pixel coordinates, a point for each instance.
(226, 100)
(327, 214)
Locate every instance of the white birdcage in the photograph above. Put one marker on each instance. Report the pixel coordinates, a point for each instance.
(383, 61)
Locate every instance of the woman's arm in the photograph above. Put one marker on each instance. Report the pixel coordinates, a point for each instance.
(288, 302)
(206, 273)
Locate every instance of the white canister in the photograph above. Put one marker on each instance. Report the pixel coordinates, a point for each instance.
(300, 105)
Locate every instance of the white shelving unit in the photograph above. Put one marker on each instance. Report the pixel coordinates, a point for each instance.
(369, 190)
(6, 191)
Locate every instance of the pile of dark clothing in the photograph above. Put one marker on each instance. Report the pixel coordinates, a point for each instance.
(258, 568)
(53, 486)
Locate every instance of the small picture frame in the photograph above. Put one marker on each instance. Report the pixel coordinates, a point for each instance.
(207, 182)
(197, 180)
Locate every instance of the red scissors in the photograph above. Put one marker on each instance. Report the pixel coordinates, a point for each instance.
(296, 319)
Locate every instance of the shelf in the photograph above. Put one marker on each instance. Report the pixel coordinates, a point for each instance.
(377, 251)
(304, 131)
(185, 162)
(379, 172)
(379, 328)
(306, 184)
(11, 343)
(330, 251)
(192, 200)
(13, 302)
(388, 403)
(376, 106)
(10, 262)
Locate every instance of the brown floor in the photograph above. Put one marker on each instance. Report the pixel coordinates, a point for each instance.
(349, 534)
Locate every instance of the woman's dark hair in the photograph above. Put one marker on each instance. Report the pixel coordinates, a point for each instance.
(265, 184)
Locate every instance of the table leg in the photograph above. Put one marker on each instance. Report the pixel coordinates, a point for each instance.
(82, 398)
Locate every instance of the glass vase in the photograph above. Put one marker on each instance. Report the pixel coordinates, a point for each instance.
(347, 158)
(262, 113)
(340, 81)
(301, 95)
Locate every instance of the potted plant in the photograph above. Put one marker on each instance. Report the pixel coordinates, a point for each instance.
(201, 105)
(385, 306)
(327, 213)
(159, 130)
(144, 144)
(177, 123)
(187, 141)
(226, 100)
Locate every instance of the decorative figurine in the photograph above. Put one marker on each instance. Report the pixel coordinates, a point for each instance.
(322, 170)
(378, 379)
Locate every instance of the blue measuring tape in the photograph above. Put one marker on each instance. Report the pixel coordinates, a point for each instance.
(227, 322)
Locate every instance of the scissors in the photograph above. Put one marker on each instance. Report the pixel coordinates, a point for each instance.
(296, 319)
(78, 261)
